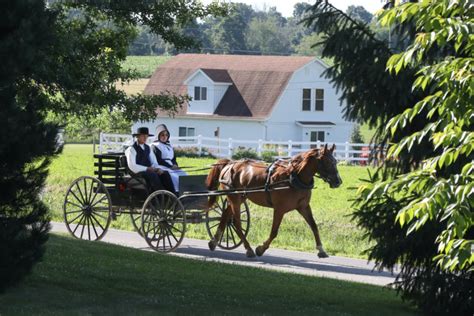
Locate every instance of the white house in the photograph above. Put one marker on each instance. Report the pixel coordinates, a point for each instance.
(277, 98)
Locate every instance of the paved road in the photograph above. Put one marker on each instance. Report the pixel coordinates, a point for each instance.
(355, 270)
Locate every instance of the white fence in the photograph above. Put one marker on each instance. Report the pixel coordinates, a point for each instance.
(226, 147)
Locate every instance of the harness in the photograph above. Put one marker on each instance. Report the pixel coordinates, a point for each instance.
(268, 179)
(296, 182)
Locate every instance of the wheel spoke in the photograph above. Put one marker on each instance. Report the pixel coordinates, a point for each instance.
(232, 234)
(80, 193)
(90, 192)
(227, 236)
(93, 227)
(88, 228)
(83, 226)
(78, 199)
(100, 200)
(100, 215)
(85, 191)
(73, 204)
(95, 193)
(98, 223)
(171, 232)
(76, 216)
(79, 223)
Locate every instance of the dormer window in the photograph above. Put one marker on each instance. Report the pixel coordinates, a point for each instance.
(200, 93)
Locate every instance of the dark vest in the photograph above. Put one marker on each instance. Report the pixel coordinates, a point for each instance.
(143, 156)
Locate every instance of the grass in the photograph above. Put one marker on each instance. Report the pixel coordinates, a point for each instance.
(331, 207)
(144, 65)
(92, 278)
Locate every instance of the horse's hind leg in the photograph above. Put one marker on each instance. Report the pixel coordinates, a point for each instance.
(277, 218)
(308, 216)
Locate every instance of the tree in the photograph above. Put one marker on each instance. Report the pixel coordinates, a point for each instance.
(359, 13)
(418, 206)
(227, 34)
(65, 58)
(308, 45)
(268, 36)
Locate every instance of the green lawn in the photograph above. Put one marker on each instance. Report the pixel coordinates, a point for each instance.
(92, 278)
(144, 65)
(331, 207)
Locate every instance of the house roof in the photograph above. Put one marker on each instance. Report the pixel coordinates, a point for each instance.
(257, 81)
(315, 123)
(218, 75)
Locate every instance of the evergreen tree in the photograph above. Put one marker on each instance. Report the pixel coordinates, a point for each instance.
(418, 207)
(65, 58)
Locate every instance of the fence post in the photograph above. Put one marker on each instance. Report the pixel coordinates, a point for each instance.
(230, 149)
(347, 151)
(290, 148)
(199, 144)
(100, 143)
(259, 148)
(318, 144)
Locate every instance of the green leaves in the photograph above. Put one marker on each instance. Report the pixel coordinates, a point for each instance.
(443, 184)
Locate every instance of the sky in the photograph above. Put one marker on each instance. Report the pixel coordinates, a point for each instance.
(285, 7)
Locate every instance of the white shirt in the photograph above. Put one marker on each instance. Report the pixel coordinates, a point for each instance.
(167, 152)
(131, 155)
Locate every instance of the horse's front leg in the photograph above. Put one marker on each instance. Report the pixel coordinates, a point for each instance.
(277, 218)
(308, 216)
(220, 229)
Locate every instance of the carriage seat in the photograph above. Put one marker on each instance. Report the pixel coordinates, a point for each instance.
(134, 181)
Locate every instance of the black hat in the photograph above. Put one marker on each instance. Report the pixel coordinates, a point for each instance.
(142, 131)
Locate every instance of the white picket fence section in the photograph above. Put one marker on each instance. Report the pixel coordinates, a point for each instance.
(225, 148)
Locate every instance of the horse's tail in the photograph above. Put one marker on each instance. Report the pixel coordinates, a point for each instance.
(212, 181)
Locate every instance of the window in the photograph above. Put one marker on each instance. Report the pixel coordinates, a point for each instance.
(200, 93)
(316, 136)
(306, 100)
(319, 101)
(186, 132)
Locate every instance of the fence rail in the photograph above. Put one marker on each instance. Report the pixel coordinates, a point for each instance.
(226, 147)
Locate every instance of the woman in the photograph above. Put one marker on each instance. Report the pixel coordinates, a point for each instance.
(165, 155)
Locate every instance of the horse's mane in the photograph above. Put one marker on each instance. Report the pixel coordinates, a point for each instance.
(296, 164)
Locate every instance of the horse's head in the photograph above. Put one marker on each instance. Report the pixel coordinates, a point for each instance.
(327, 167)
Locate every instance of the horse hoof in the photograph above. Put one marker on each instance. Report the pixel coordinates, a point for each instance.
(322, 254)
(212, 245)
(250, 253)
(259, 251)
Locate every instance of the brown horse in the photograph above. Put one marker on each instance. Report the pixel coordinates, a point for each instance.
(297, 173)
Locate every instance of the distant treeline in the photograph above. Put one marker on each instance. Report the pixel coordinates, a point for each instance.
(246, 31)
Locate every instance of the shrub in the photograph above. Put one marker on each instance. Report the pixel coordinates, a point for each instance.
(192, 152)
(269, 156)
(244, 153)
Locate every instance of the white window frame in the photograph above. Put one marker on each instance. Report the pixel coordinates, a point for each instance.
(320, 99)
(187, 133)
(201, 91)
(303, 99)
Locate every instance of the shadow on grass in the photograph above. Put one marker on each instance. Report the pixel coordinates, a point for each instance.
(79, 277)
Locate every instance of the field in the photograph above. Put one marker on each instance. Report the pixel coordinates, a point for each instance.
(331, 207)
(92, 278)
(144, 65)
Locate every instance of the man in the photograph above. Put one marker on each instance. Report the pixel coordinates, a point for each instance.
(141, 160)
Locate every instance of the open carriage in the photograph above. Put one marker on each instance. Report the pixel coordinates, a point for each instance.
(161, 217)
(91, 203)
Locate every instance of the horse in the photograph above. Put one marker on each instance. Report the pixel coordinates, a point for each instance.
(285, 186)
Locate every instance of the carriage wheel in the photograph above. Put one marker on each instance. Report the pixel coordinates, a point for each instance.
(163, 221)
(87, 209)
(229, 239)
(136, 217)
